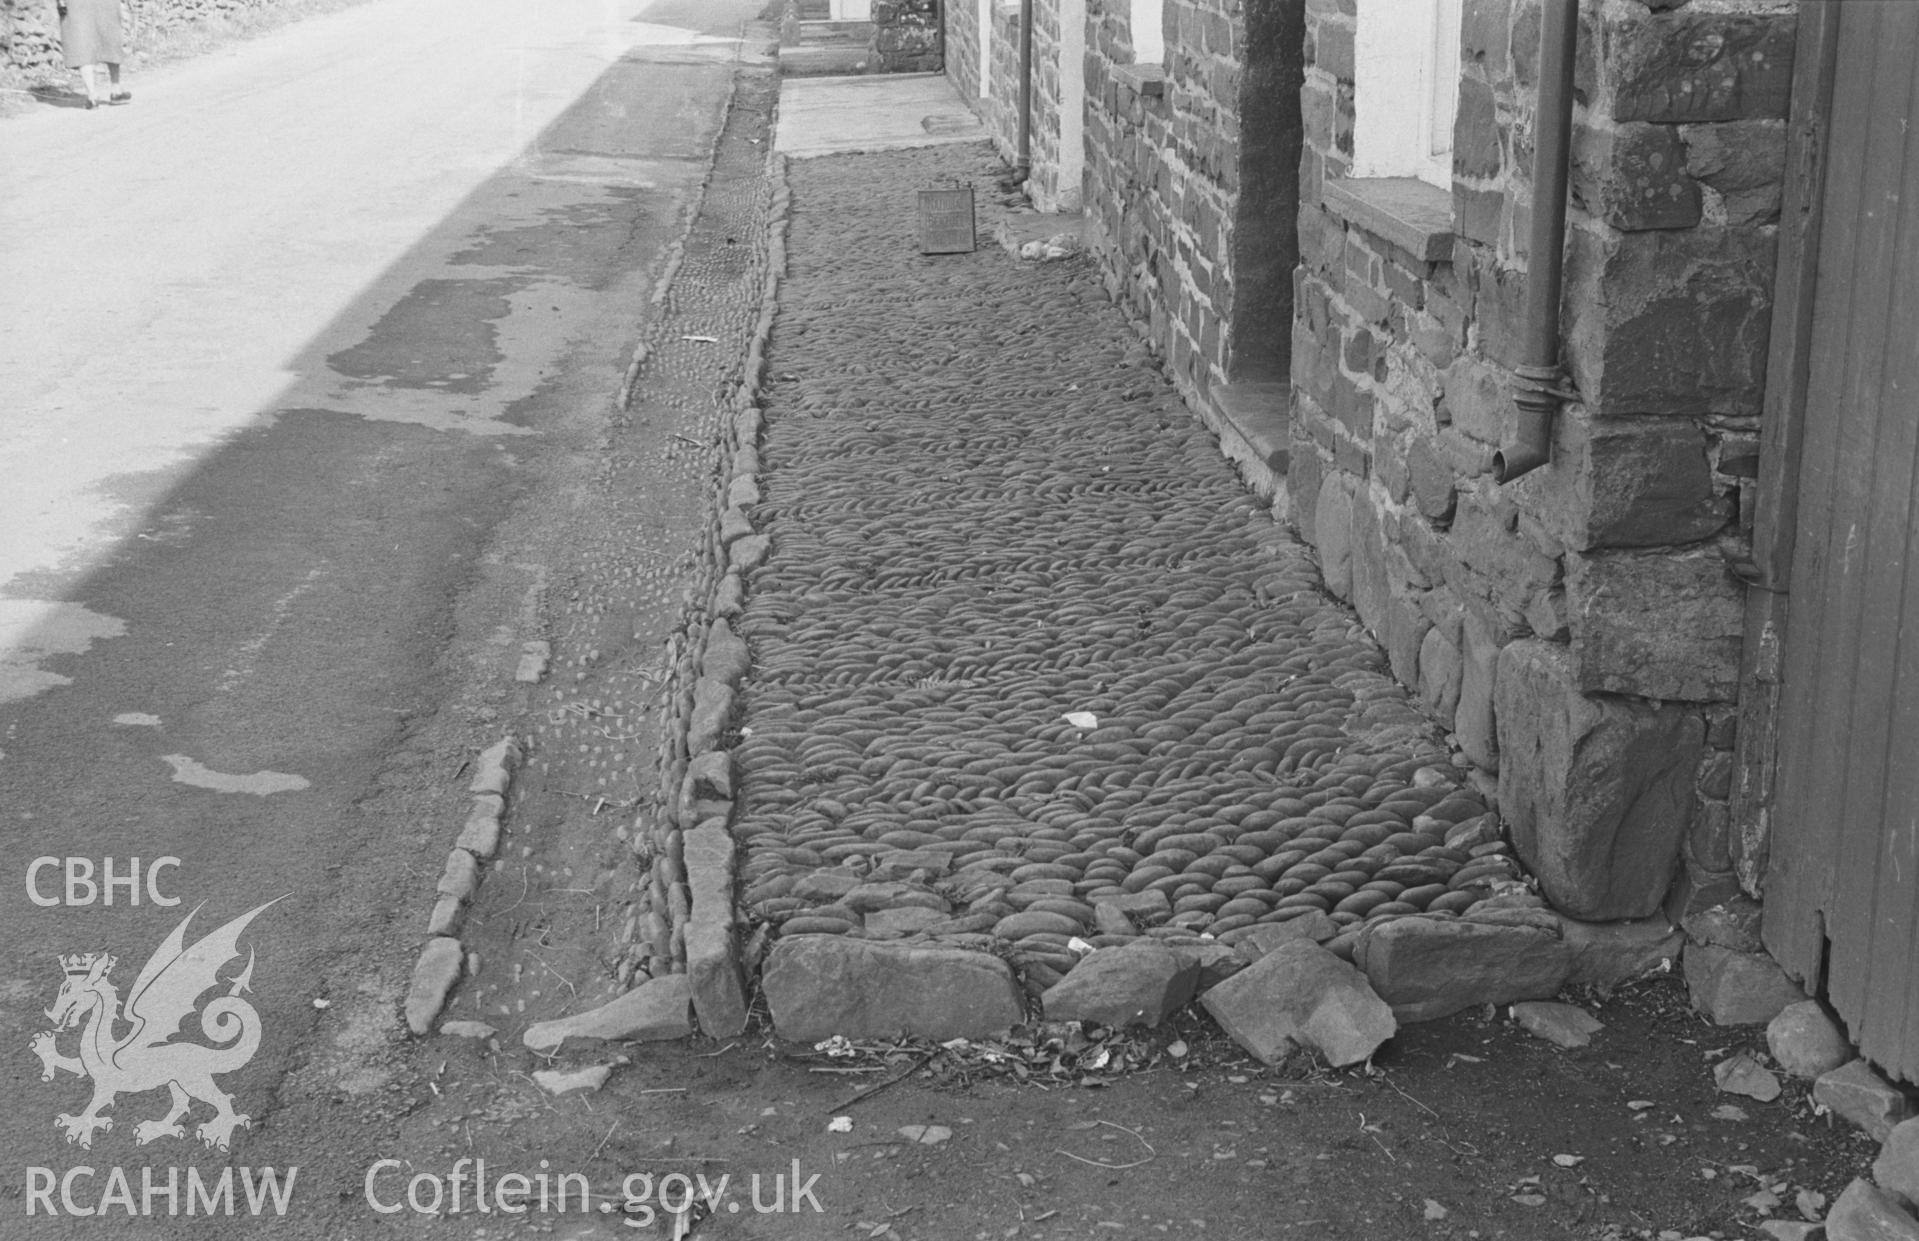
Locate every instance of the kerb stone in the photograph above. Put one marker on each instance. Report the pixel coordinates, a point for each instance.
(1429, 967)
(712, 952)
(1606, 954)
(1141, 983)
(817, 986)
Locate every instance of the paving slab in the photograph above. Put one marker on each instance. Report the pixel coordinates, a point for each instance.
(882, 112)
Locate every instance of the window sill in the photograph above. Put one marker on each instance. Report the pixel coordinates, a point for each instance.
(1406, 211)
(1146, 80)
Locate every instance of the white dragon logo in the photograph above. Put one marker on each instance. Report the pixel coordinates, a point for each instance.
(142, 1059)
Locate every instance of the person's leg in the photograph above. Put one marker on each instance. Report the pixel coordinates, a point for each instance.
(89, 79)
(113, 75)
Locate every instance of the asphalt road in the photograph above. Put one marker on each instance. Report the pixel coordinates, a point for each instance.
(285, 347)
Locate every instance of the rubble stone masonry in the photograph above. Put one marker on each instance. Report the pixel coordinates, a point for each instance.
(1579, 626)
(998, 109)
(1191, 181)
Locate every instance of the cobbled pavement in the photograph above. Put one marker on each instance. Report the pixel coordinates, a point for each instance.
(990, 510)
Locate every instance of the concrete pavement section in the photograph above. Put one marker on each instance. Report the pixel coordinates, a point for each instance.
(1028, 664)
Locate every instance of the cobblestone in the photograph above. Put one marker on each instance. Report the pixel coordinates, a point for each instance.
(983, 508)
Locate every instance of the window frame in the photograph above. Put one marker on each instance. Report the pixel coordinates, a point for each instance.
(1396, 42)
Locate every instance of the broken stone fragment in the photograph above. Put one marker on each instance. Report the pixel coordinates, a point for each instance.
(817, 986)
(1141, 983)
(1300, 994)
(655, 1010)
(1806, 1041)
(562, 1081)
(1737, 988)
(1566, 1025)
(1741, 1075)
(1262, 938)
(1427, 968)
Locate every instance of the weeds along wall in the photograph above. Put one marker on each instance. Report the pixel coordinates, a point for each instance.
(1579, 627)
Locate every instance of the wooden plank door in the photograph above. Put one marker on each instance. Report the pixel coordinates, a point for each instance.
(1842, 885)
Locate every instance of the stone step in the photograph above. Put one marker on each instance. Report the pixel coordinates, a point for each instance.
(834, 34)
(823, 61)
(1251, 419)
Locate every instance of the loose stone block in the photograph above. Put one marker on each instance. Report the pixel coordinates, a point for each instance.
(1806, 1041)
(1429, 967)
(1737, 988)
(1857, 1092)
(1597, 792)
(820, 985)
(657, 1010)
(1141, 983)
(1301, 994)
(1866, 1212)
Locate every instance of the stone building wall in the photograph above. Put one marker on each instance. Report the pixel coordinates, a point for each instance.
(30, 29)
(999, 109)
(1191, 180)
(906, 36)
(1578, 626)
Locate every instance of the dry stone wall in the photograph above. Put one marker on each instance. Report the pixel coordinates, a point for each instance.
(30, 29)
(1579, 627)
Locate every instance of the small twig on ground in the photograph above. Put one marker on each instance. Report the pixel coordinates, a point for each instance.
(604, 1140)
(876, 1087)
(1151, 1154)
(1404, 1095)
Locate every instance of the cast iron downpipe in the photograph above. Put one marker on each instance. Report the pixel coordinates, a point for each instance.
(1540, 388)
(1024, 162)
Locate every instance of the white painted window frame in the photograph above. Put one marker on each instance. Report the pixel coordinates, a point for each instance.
(1148, 18)
(1405, 89)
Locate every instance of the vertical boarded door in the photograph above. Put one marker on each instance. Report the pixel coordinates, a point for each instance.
(1842, 891)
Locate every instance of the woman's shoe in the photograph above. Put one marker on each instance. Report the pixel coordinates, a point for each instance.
(120, 96)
